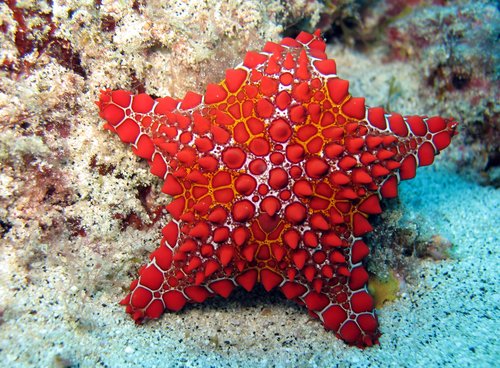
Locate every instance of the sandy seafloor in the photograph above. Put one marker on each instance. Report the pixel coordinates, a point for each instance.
(449, 319)
(59, 295)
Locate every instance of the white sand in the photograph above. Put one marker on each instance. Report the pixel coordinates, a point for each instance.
(448, 319)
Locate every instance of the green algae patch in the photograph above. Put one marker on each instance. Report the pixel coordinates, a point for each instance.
(383, 289)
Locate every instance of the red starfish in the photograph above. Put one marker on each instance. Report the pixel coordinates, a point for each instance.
(273, 174)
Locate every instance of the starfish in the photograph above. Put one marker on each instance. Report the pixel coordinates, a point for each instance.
(273, 173)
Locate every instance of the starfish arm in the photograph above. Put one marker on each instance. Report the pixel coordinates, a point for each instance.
(396, 145)
(183, 269)
(341, 302)
(170, 134)
(321, 265)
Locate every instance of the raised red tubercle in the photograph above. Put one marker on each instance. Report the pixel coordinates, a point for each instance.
(274, 173)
